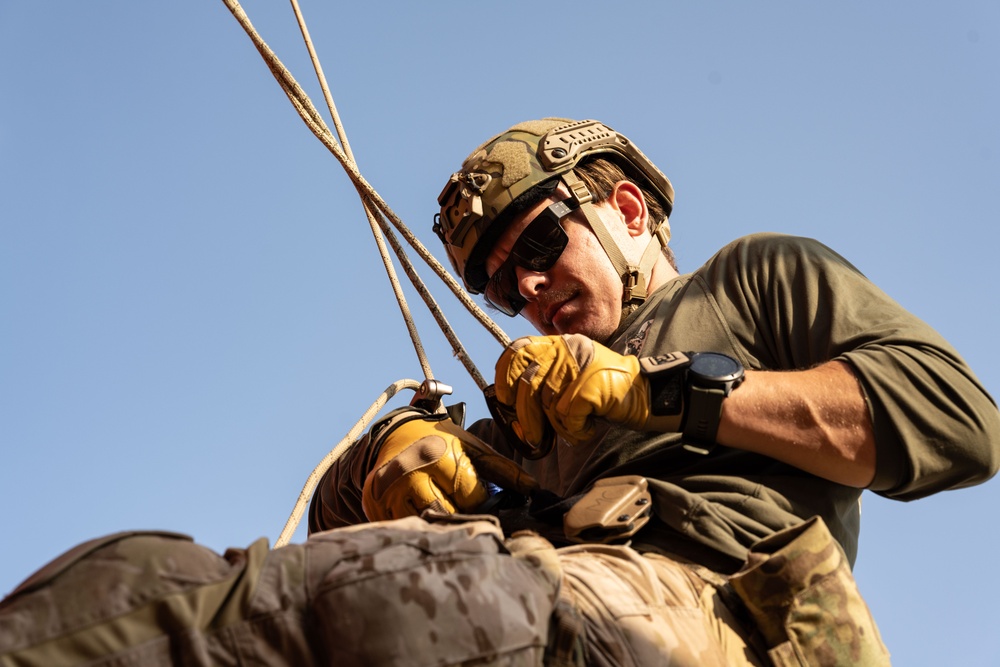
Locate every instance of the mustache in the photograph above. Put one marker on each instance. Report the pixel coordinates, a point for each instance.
(550, 298)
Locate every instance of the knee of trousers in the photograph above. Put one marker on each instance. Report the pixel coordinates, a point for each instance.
(448, 593)
(137, 595)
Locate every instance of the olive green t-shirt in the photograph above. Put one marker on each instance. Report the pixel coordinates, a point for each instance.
(781, 303)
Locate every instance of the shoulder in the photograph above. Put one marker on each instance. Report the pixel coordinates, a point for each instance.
(768, 252)
(772, 243)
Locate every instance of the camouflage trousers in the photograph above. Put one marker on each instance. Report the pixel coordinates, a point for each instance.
(405, 592)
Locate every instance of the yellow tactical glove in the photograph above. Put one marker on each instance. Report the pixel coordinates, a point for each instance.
(568, 381)
(429, 462)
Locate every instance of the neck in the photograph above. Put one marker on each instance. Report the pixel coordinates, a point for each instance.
(661, 274)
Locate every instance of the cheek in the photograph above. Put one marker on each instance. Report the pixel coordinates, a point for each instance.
(591, 263)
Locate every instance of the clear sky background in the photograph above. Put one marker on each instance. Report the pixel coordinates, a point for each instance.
(192, 310)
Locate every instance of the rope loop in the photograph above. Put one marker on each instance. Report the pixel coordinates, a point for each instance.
(338, 450)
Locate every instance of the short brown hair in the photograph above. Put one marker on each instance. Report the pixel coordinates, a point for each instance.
(600, 175)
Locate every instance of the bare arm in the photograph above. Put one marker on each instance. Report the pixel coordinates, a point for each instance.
(816, 420)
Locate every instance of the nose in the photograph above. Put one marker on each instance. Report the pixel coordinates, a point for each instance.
(531, 283)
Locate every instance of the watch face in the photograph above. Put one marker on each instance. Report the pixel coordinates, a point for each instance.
(716, 366)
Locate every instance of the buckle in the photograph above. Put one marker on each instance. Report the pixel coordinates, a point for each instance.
(580, 192)
(634, 287)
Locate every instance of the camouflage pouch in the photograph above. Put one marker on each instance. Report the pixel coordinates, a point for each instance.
(409, 592)
(799, 589)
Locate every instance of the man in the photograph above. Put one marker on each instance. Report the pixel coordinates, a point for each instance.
(692, 448)
(770, 386)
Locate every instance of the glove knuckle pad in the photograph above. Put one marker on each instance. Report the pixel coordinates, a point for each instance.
(423, 453)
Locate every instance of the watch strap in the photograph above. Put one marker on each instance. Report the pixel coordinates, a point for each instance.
(665, 373)
(702, 417)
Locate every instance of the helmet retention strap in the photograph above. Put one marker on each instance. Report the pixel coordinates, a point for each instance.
(634, 278)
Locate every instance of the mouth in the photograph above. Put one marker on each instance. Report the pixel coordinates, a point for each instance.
(552, 310)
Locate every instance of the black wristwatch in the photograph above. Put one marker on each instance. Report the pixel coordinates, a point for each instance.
(710, 378)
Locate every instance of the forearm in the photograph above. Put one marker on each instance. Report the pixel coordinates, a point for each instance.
(336, 502)
(816, 420)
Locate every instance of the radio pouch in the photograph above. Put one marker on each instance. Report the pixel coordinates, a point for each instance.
(798, 587)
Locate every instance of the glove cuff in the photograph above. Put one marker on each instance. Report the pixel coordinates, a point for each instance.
(665, 373)
(383, 428)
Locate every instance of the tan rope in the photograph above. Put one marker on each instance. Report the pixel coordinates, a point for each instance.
(379, 217)
(370, 212)
(435, 310)
(322, 80)
(425, 294)
(314, 121)
(317, 474)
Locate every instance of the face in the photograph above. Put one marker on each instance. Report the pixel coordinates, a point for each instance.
(581, 292)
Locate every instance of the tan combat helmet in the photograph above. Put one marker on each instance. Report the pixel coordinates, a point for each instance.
(526, 155)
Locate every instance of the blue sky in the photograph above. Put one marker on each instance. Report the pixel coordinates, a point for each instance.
(192, 310)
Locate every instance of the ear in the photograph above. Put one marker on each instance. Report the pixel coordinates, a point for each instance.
(627, 199)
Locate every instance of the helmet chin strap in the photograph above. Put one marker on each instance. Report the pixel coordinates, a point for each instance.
(635, 278)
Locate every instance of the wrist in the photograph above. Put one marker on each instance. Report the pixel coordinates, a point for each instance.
(380, 432)
(664, 377)
(686, 392)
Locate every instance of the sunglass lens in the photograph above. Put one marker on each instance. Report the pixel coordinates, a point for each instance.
(540, 244)
(502, 290)
(537, 248)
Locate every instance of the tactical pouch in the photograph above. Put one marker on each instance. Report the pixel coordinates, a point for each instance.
(799, 589)
(409, 592)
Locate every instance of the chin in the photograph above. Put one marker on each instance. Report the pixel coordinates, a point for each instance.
(597, 330)
(587, 329)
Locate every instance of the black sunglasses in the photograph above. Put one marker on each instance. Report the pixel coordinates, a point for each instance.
(537, 248)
